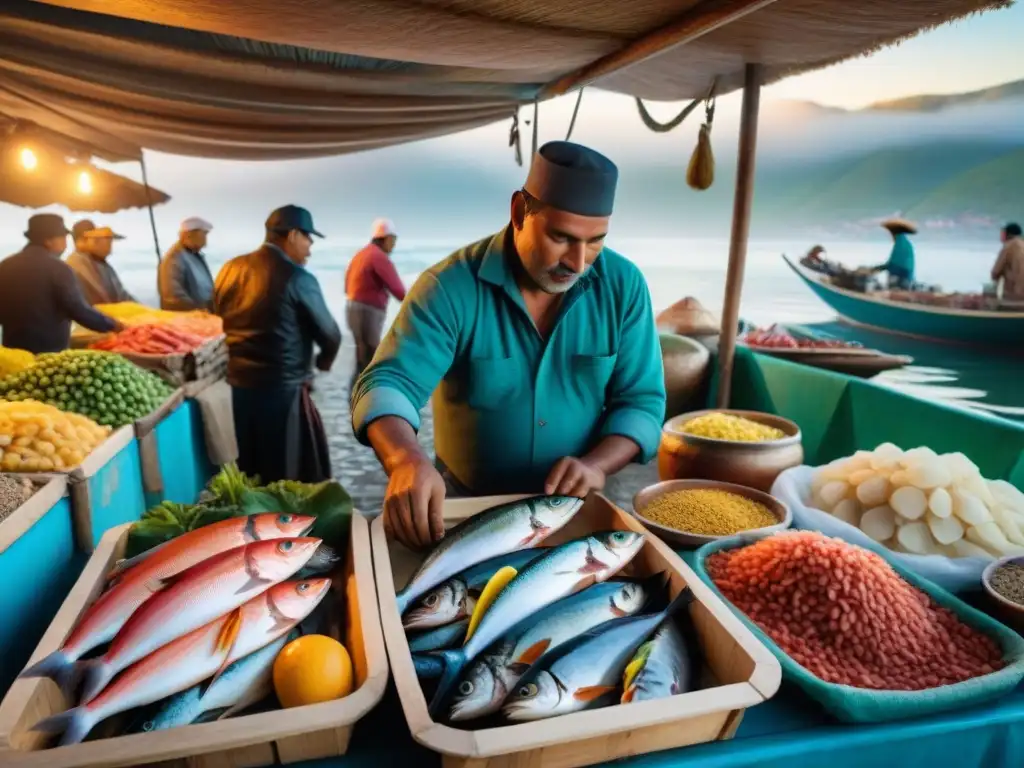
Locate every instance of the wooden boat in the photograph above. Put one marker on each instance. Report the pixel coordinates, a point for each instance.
(881, 313)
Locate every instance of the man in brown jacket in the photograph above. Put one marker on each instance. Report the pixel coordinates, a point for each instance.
(1010, 264)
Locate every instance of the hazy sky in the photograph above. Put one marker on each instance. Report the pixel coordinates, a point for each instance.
(981, 51)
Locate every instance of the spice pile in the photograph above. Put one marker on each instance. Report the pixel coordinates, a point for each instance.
(921, 503)
(847, 617)
(725, 426)
(708, 512)
(1008, 581)
(13, 493)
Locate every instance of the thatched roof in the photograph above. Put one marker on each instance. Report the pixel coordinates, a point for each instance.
(293, 78)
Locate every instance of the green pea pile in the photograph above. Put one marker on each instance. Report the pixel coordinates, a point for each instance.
(102, 386)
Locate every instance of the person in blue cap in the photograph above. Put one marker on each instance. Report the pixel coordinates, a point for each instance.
(274, 314)
(539, 346)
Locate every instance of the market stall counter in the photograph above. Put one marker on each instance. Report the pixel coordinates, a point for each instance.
(38, 565)
(172, 449)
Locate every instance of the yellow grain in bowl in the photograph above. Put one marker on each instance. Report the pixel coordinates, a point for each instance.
(725, 426)
(708, 512)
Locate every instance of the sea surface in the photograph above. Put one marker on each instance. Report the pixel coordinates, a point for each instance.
(771, 294)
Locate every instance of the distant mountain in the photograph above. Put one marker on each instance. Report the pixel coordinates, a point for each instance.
(935, 103)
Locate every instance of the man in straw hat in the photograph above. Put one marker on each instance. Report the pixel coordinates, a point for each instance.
(89, 260)
(39, 295)
(185, 281)
(541, 346)
(900, 265)
(274, 315)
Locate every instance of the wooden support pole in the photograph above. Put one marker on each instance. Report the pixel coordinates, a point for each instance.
(692, 25)
(741, 208)
(149, 202)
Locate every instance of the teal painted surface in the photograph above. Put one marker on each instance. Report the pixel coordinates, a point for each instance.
(115, 492)
(36, 573)
(840, 415)
(184, 464)
(963, 328)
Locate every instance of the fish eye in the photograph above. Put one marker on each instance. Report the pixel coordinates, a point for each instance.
(285, 546)
(285, 518)
(148, 725)
(557, 502)
(528, 691)
(431, 600)
(465, 687)
(303, 586)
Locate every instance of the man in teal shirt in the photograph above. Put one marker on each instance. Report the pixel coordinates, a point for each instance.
(540, 349)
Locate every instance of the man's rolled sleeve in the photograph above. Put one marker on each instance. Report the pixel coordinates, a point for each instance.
(411, 360)
(636, 392)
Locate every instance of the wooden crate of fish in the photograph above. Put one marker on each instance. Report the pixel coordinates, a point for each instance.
(160, 708)
(208, 361)
(588, 639)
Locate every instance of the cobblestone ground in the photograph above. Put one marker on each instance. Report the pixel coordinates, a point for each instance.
(356, 466)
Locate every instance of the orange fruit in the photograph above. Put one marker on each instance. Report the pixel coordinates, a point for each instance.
(312, 669)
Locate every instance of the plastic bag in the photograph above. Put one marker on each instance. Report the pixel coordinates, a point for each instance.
(793, 488)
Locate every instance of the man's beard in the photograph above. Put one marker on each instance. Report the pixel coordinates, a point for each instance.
(549, 284)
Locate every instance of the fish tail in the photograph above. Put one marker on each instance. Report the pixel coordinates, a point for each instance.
(454, 661)
(680, 602)
(52, 666)
(95, 675)
(74, 724)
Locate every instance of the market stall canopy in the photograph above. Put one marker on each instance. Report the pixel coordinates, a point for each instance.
(263, 79)
(39, 167)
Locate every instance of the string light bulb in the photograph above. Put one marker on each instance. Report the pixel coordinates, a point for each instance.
(29, 161)
(84, 183)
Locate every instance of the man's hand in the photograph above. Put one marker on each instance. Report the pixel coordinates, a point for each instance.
(573, 477)
(413, 504)
(324, 363)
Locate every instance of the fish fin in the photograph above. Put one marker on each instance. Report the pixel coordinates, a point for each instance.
(225, 642)
(593, 566)
(95, 674)
(628, 695)
(586, 581)
(454, 661)
(252, 583)
(231, 711)
(518, 669)
(534, 652)
(592, 692)
(126, 563)
(74, 724)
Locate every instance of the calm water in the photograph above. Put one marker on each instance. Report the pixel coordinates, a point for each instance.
(771, 293)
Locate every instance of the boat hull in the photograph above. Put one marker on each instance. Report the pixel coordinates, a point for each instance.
(936, 323)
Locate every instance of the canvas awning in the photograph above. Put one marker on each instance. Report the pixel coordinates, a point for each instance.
(262, 79)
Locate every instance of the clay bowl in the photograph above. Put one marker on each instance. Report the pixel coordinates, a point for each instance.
(682, 456)
(1007, 611)
(686, 540)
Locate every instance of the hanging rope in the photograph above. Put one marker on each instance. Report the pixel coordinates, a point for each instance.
(536, 126)
(149, 200)
(657, 127)
(514, 139)
(575, 112)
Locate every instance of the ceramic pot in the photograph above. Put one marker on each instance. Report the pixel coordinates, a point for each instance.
(682, 456)
(686, 368)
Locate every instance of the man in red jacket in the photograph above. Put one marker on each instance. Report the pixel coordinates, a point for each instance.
(370, 278)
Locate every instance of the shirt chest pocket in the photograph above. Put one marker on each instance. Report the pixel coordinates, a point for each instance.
(591, 375)
(494, 382)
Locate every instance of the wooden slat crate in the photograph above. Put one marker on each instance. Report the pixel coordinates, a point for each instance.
(209, 361)
(741, 671)
(269, 738)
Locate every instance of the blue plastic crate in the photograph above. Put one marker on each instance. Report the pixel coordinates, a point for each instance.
(39, 564)
(185, 467)
(106, 490)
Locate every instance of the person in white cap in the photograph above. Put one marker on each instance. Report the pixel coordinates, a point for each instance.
(185, 281)
(370, 278)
